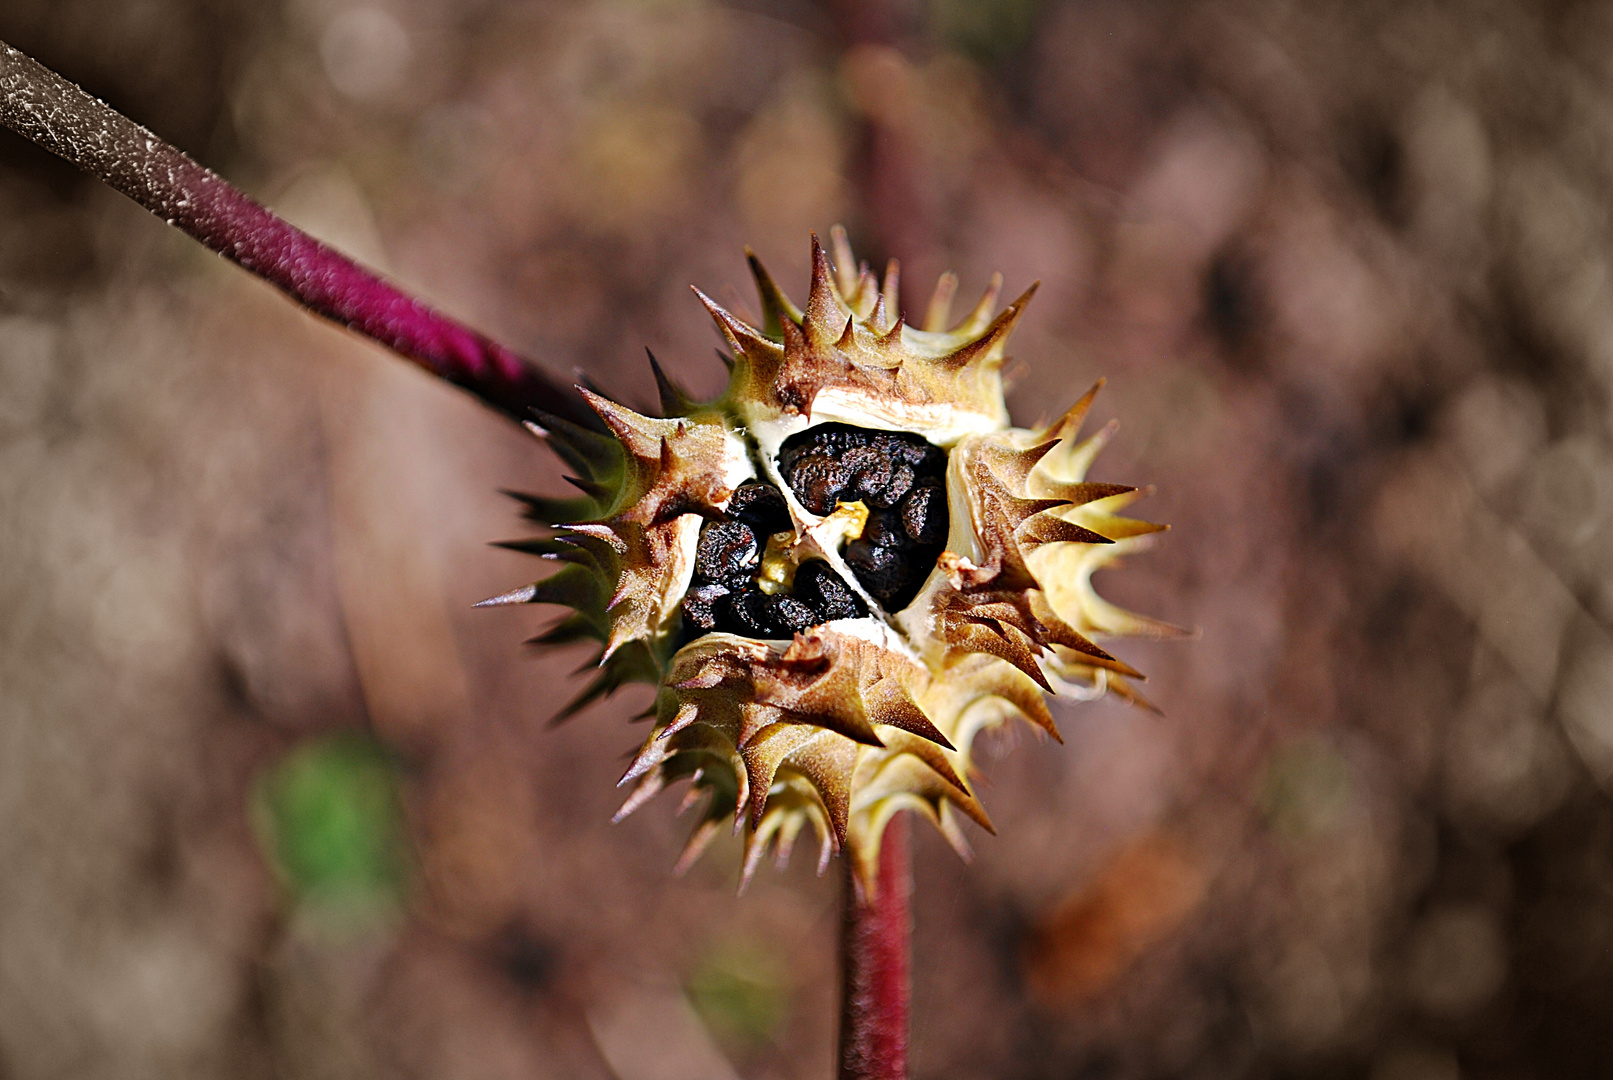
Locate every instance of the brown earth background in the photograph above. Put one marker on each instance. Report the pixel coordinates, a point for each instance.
(1349, 270)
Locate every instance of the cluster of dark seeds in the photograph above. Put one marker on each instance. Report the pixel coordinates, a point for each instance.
(724, 595)
(901, 478)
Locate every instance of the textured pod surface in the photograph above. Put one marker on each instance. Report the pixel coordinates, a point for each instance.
(840, 571)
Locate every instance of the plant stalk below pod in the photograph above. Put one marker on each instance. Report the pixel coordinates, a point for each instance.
(42, 106)
(875, 963)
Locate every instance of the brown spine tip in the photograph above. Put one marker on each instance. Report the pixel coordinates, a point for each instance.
(1013, 645)
(1081, 493)
(830, 774)
(848, 340)
(1072, 639)
(890, 705)
(867, 289)
(995, 334)
(892, 291)
(880, 314)
(648, 787)
(755, 849)
(741, 336)
(980, 318)
(776, 307)
(939, 313)
(699, 840)
(1046, 529)
(688, 713)
(1030, 701)
(1029, 459)
(652, 755)
(845, 261)
(673, 400)
(610, 412)
(526, 594)
(823, 309)
(1069, 425)
(894, 337)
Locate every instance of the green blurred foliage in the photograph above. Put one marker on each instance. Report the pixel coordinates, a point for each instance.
(330, 821)
(987, 30)
(741, 992)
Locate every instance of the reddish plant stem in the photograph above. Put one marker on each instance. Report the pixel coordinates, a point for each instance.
(875, 964)
(42, 106)
(876, 941)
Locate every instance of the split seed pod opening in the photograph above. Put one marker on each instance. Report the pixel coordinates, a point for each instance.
(840, 571)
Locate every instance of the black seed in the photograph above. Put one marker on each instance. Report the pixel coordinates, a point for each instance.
(728, 550)
(881, 480)
(886, 530)
(761, 506)
(817, 583)
(749, 613)
(871, 470)
(790, 614)
(702, 604)
(901, 478)
(883, 571)
(924, 515)
(834, 462)
(819, 481)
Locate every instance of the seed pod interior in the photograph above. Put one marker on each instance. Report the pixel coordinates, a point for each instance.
(841, 570)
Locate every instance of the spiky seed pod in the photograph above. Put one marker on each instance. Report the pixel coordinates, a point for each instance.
(840, 571)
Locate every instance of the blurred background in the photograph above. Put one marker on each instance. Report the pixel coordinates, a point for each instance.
(278, 803)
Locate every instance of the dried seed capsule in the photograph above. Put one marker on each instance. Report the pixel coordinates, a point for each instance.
(834, 463)
(1013, 609)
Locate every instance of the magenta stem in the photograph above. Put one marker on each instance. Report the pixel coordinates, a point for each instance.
(42, 106)
(875, 964)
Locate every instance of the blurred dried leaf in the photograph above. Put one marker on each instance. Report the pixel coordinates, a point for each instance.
(1090, 938)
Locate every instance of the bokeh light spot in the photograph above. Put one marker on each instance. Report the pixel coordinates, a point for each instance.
(366, 53)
